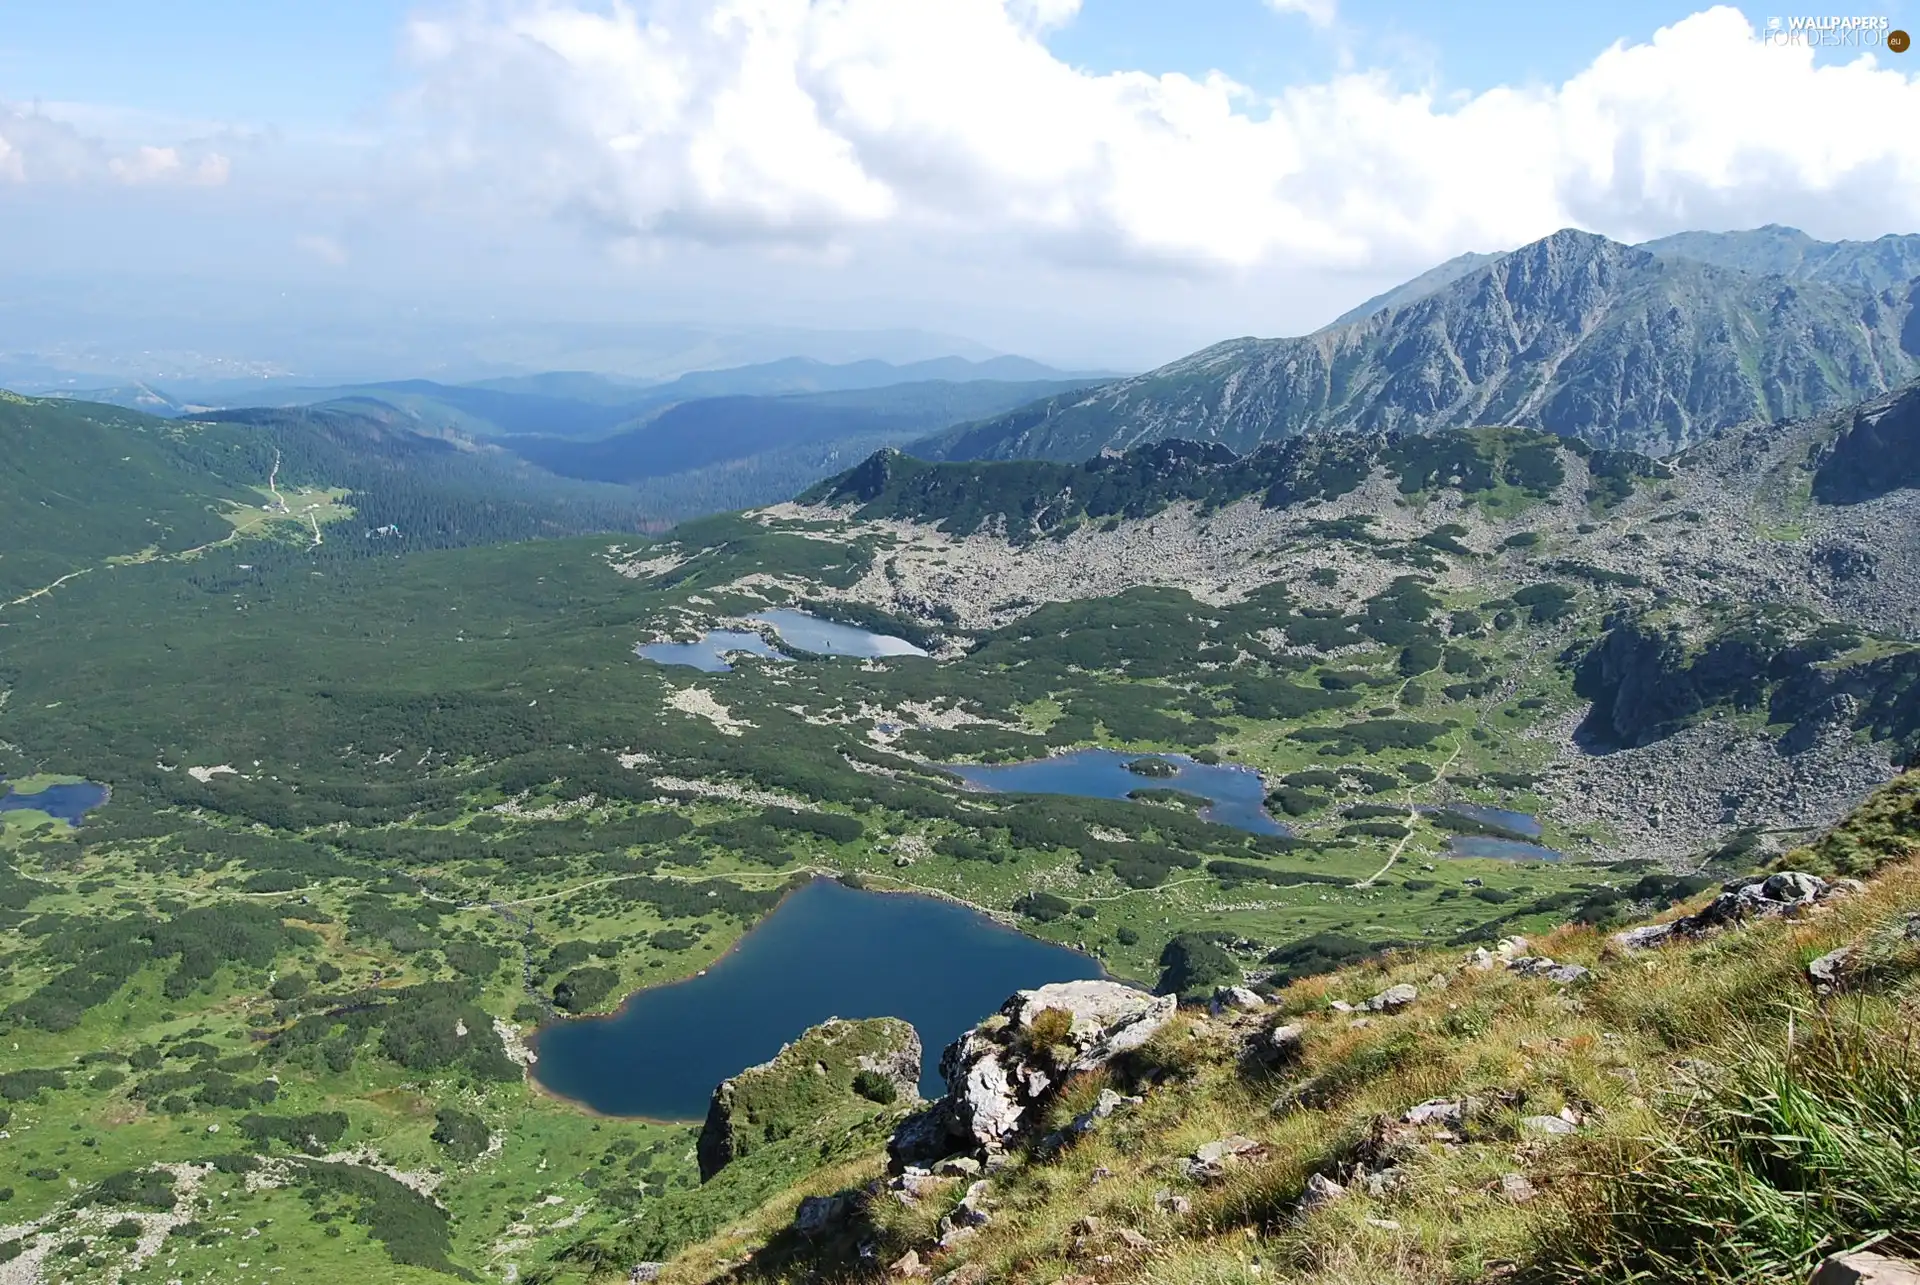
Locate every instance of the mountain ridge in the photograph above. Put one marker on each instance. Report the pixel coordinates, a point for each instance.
(1573, 333)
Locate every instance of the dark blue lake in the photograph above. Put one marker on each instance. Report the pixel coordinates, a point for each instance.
(710, 653)
(70, 803)
(828, 951)
(810, 633)
(1239, 796)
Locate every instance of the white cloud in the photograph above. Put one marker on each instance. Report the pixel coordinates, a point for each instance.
(1320, 13)
(38, 148)
(819, 124)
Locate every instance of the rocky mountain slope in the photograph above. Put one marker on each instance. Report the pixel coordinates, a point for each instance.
(1883, 264)
(1573, 334)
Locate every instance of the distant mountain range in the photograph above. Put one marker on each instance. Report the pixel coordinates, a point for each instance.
(1647, 348)
(584, 403)
(714, 430)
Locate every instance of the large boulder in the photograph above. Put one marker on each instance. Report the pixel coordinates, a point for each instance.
(999, 1073)
(810, 1081)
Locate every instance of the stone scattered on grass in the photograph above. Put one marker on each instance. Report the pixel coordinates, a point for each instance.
(1392, 999)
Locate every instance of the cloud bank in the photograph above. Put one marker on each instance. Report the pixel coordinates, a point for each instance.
(35, 148)
(818, 125)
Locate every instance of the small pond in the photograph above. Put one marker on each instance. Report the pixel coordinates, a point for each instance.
(1239, 795)
(710, 653)
(70, 803)
(810, 633)
(827, 951)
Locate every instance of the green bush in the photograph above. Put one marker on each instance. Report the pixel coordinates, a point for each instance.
(464, 1136)
(1043, 906)
(1194, 963)
(875, 1087)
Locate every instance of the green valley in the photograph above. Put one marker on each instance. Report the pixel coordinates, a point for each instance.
(379, 811)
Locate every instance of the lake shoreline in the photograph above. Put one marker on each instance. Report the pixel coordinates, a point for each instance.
(577, 1094)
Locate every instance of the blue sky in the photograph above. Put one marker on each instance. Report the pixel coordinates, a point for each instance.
(1035, 174)
(328, 67)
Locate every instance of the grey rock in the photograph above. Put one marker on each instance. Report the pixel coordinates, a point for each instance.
(924, 1138)
(1168, 1202)
(1320, 1192)
(1212, 1159)
(969, 1215)
(1826, 972)
(818, 1215)
(995, 1083)
(1109, 1102)
(1281, 1044)
(1515, 1188)
(1386, 1182)
(1788, 892)
(1436, 1111)
(957, 1167)
(1231, 999)
(643, 1273)
(1549, 1124)
(1865, 1269)
(909, 1267)
(1392, 999)
(1541, 966)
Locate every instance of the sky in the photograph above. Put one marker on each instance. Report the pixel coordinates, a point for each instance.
(225, 186)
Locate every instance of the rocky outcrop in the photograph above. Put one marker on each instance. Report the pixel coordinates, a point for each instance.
(811, 1080)
(1786, 893)
(1002, 1071)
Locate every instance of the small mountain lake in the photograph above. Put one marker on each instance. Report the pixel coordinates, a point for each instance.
(827, 951)
(710, 653)
(810, 633)
(1239, 795)
(797, 629)
(69, 802)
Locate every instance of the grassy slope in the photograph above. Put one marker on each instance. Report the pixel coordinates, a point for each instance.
(80, 484)
(1734, 1125)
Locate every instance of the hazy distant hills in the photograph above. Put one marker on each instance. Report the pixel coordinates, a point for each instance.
(1622, 345)
(584, 403)
(715, 430)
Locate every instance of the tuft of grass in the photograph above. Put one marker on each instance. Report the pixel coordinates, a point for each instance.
(1809, 1145)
